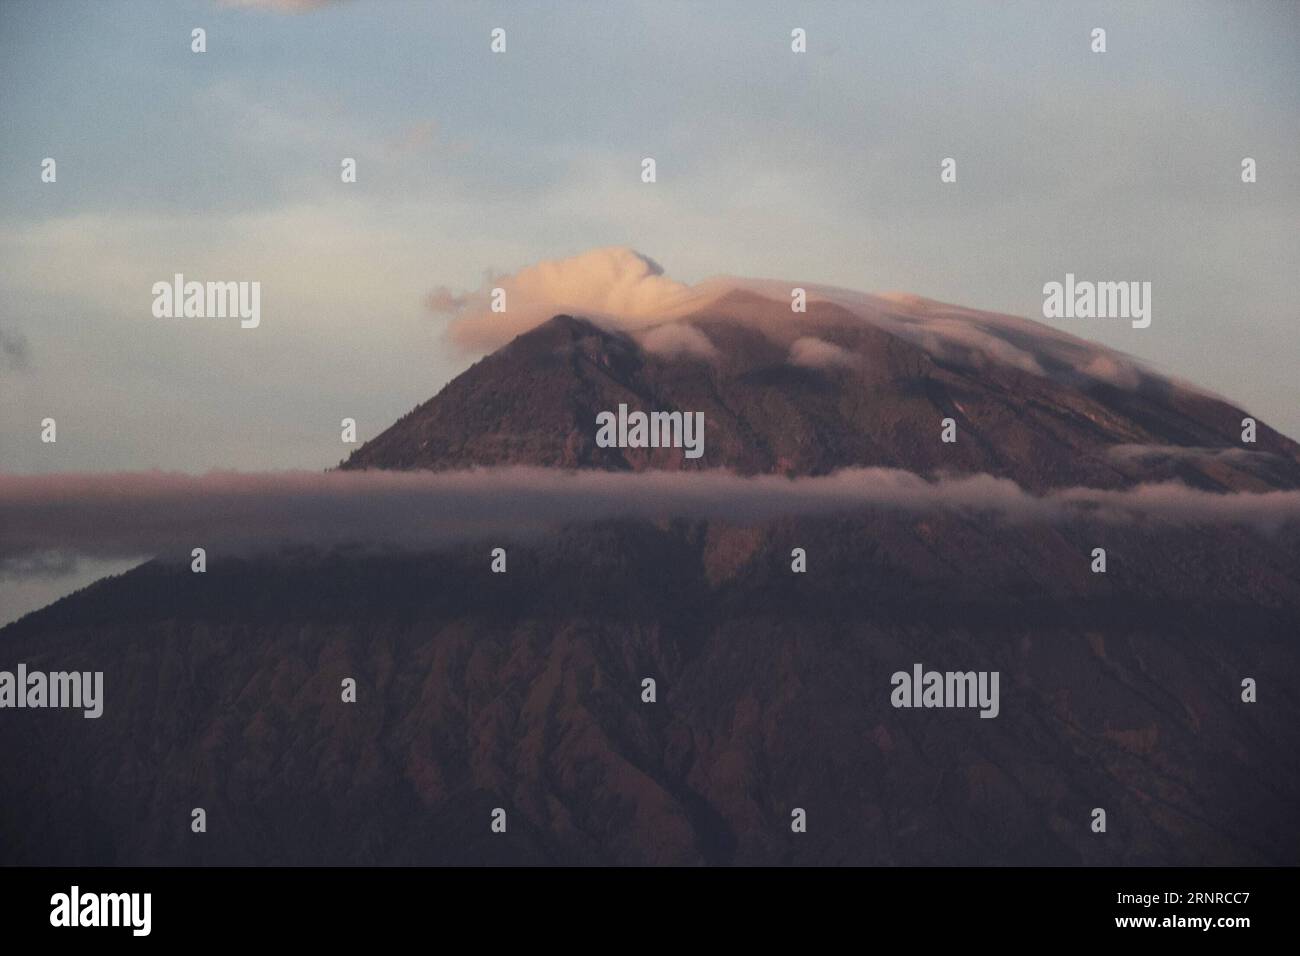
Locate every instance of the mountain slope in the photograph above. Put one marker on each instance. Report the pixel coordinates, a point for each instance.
(880, 402)
(523, 691)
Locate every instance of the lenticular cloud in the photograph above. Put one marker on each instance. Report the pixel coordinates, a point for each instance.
(624, 289)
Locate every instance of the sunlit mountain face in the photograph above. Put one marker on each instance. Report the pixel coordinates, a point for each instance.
(832, 391)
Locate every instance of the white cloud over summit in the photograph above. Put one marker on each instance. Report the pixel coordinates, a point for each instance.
(616, 285)
(676, 339)
(625, 289)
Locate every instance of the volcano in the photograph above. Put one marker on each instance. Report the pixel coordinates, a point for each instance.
(1029, 403)
(678, 692)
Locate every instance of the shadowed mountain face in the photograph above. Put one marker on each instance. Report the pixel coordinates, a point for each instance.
(524, 690)
(880, 403)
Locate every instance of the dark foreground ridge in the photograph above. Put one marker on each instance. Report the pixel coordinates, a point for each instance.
(523, 691)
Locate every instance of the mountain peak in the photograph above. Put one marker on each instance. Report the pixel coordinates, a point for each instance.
(811, 393)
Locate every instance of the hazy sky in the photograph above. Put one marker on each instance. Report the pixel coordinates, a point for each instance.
(820, 168)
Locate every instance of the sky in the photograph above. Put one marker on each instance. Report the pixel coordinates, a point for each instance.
(820, 167)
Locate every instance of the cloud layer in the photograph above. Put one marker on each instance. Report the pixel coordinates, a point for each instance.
(129, 515)
(624, 289)
(675, 339)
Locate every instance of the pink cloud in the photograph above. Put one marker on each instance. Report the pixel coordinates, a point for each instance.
(818, 353)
